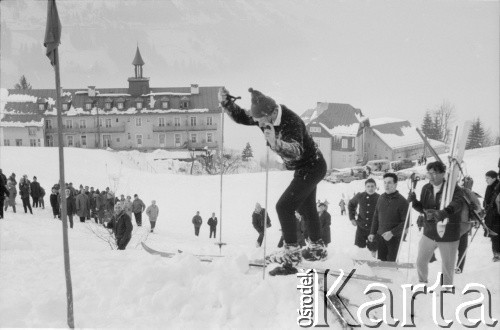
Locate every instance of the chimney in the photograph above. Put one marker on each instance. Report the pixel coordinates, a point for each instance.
(195, 89)
(91, 91)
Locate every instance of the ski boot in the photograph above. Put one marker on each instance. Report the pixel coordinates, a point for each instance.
(315, 250)
(290, 255)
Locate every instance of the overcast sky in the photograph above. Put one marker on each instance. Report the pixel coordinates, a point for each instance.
(388, 58)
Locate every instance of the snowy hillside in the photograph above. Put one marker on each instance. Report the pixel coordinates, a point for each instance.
(132, 289)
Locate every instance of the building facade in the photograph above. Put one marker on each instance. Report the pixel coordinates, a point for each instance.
(137, 117)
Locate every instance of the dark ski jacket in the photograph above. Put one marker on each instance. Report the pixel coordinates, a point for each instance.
(70, 205)
(123, 227)
(212, 222)
(454, 210)
(258, 220)
(24, 188)
(367, 204)
(35, 189)
(492, 218)
(54, 200)
(297, 148)
(390, 214)
(325, 220)
(197, 221)
(3, 192)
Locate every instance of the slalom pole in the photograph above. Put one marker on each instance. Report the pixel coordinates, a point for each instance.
(413, 185)
(265, 213)
(220, 243)
(468, 246)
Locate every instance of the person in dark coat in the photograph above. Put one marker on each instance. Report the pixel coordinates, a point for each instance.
(35, 191)
(258, 222)
(326, 221)
(11, 201)
(342, 206)
(286, 134)
(101, 205)
(138, 207)
(12, 178)
(429, 205)
(492, 218)
(366, 201)
(212, 222)
(70, 206)
(82, 205)
(4, 192)
(389, 219)
(123, 227)
(3, 178)
(54, 203)
(24, 192)
(197, 223)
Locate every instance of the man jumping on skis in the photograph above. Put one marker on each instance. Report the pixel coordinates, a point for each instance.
(286, 134)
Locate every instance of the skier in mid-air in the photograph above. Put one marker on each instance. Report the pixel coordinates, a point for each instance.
(286, 134)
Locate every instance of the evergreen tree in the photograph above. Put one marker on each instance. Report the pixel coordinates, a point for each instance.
(247, 153)
(427, 125)
(436, 128)
(23, 84)
(476, 136)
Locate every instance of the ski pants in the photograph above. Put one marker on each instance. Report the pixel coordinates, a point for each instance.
(7, 204)
(260, 238)
(448, 251)
(26, 204)
(153, 224)
(388, 250)
(213, 230)
(138, 218)
(361, 239)
(35, 201)
(122, 242)
(462, 246)
(1, 209)
(197, 230)
(82, 219)
(41, 202)
(55, 211)
(301, 196)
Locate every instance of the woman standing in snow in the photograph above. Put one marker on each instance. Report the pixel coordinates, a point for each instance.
(24, 191)
(286, 135)
(152, 211)
(11, 200)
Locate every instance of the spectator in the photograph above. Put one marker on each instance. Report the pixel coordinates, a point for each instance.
(429, 204)
(35, 192)
(12, 178)
(41, 202)
(342, 206)
(258, 222)
(138, 207)
(325, 220)
(127, 206)
(4, 192)
(212, 222)
(70, 206)
(366, 201)
(54, 203)
(82, 205)
(389, 219)
(24, 191)
(492, 218)
(123, 227)
(11, 201)
(197, 223)
(152, 212)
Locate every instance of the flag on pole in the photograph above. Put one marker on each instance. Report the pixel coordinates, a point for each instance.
(52, 31)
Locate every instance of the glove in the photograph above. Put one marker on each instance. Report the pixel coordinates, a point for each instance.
(429, 214)
(420, 221)
(412, 197)
(222, 96)
(440, 215)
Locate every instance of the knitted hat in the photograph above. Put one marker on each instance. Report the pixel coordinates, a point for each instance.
(261, 105)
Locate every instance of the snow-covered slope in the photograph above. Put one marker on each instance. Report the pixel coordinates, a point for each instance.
(133, 289)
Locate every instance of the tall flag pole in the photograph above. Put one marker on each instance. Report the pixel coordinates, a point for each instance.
(51, 42)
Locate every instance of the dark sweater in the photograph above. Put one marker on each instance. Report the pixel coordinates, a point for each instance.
(367, 204)
(390, 214)
(428, 202)
(297, 148)
(258, 220)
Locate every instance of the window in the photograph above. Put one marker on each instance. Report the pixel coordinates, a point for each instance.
(184, 104)
(100, 122)
(107, 141)
(344, 143)
(31, 130)
(139, 140)
(139, 105)
(164, 104)
(19, 142)
(6, 142)
(41, 106)
(138, 121)
(88, 106)
(129, 136)
(116, 119)
(83, 124)
(108, 122)
(69, 123)
(32, 142)
(48, 123)
(210, 137)
(193, 121)
(108, 105)
(70, 140)
(315, 129)
(193, 138)
(161, 122)
(83, 140)
(49, 141)
(120, 105)
(163, 137)
(209, 121)
(65, 106)
(177, 121)
(177, 138)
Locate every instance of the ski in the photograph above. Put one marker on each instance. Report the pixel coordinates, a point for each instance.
(203, 258)
(384, 264)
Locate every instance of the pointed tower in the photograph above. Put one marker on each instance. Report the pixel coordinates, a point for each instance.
(138, 85)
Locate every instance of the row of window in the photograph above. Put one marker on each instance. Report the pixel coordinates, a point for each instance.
(138, 122)
(19, 142)
(119, 105)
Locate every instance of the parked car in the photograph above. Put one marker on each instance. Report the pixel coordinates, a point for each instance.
(402, 164)
(381, 165)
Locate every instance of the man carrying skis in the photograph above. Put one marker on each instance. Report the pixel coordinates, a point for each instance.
(366, 201)
(286, 134)
(429, 204)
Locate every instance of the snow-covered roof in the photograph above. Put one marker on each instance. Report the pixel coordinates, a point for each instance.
(343, 130)
(167, 93)
(20, 98)
(397, 134)
(114, 111)
(16, 120)
(384, 120)
(112, 94)
(336, 118)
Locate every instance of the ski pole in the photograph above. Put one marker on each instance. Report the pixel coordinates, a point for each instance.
(468, 245)
(265, 213)
(413, 185)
